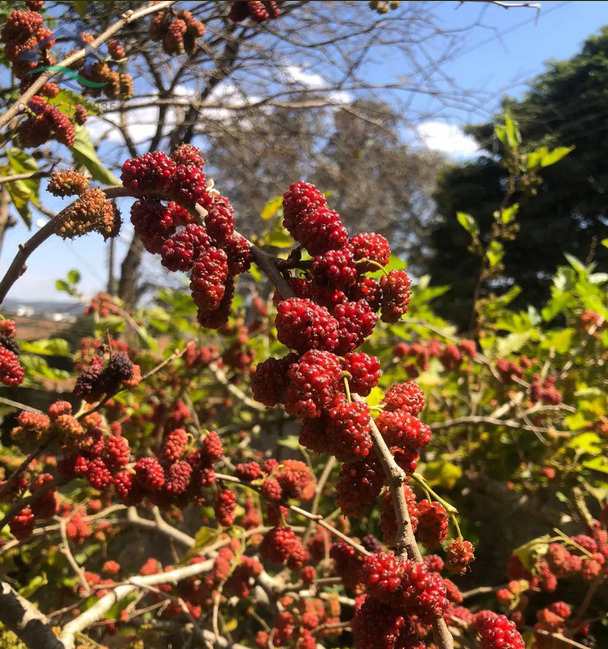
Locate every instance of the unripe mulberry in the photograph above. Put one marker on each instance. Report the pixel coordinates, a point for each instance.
(364, 372)
(225, 506)
(303, 325)
(11, 370)
(296, 480)
(407, 397)
(209, 278)
(116, 49)
(151, 173)
(93, 211)
(314, 381)
(378, 626)
(370, 250)
(68, 182)
(269, 380)
(395, 295)
(282, 546)
(459, 556)
(181, 249)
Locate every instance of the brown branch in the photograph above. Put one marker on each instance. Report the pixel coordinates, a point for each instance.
(25, 620)
(17, 267)
(126, 18)
(221, 377)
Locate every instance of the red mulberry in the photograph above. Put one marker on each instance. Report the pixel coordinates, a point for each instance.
(208, 279)
(225, 506)
(151, 173)
(432, 523)
(189, 185)
(348, 431)
(11, 370)
(405, 396)
(181, 249)
(269, 380)
(497, 631)
(303, 325)
(150, 474)
(178, 477)
(399, 428)
(335, 268)
(220, 219)
(358, 486)
(282, 546)
(370, 247)
(175, 445)
(395, 295)
(364, 371)
(314, 381)
(459, 556)
(356, 322)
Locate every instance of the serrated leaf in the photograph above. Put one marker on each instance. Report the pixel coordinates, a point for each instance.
(271, 208)
(84, 154)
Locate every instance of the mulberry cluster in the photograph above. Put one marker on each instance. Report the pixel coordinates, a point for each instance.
(213, 254)
(11, 370)
(176, 31)
(258, 10)
(27, 42)
(45, 122)
(282, 546)
(497, 632)
(93, 211)
(106, 378)
(418, 355)
(67, 182)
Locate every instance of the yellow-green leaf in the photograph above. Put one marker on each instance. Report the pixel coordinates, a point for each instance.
(271, 208)
(84, 154)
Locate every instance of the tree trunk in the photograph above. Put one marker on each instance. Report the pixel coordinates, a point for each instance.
(129, 273)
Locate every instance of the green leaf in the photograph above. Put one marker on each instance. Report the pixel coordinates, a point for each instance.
(375, 396)
(555, 155)
(508, 214)
(84, 154)
(468, 223)
(291, 441)
(34, 584)
(25, 191)
(511, 343)
(586, 443)
(578, 265)
(512, 131)
(204, 536)
(604, 242)
(278, 236)
(495, 253)
(597, 464)
(271, 208)
(47, 347)
(560, 341)
(442, 474)
(67, 100)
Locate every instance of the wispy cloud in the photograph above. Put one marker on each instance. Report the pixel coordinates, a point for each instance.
(447, 138)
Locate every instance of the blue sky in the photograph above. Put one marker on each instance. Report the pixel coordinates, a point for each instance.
(499, 55)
